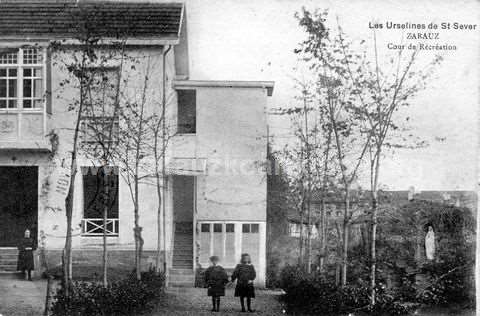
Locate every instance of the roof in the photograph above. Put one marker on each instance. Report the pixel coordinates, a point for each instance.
(67, 18)
(225, 84)
(361, 200)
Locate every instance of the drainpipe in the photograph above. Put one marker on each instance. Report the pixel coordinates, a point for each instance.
(164, 143)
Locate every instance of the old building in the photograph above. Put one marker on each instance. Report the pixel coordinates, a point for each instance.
(215, 200)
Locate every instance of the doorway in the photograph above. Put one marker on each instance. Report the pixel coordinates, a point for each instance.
(18, 204)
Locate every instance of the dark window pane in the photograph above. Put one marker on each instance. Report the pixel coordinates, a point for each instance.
(205, 228)
(95, 197)
(12, 88)
(12, 72)
(3, 88)
(187, 111)
(217, 228)
(3, 72)
(27, 104)
(246, 228)
(254, 228)
(27, 72)
(230, 228)
(27, 88)
(12, 103)
(3, 104)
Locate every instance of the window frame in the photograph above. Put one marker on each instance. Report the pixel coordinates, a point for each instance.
(181, 129)
(20, 66)
(98, 222)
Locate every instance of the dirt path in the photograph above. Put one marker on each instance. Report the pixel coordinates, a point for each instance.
(22, 298)
(194, 301)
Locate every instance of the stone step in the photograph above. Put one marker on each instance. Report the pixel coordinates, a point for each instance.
(182, 266)
(181, 278)
(180, 271)
(178, 263)
(185, 249)
(12, 260)
(183, 255)
(8, 267)
(183, 241)
(11, 275)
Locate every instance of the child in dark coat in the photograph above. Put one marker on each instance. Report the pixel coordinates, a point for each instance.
(215, 278)
(244, 273)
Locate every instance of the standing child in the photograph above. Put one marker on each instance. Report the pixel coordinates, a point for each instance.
(245, 274)
(215, 279)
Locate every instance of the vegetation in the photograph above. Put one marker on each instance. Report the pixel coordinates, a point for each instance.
(350, 114)
(129, 296)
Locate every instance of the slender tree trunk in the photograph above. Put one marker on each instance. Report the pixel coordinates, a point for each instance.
(106, 201)
(301, 255)
(372, 248)
(159, 220)
(137, 234)
(323, 239)
(346, 227)
(323, 219)
(375, 169)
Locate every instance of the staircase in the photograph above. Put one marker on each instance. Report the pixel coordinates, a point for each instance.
(182, 273)
(8, 263)
(8, 259)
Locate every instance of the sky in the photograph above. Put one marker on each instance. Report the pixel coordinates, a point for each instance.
(255, 39)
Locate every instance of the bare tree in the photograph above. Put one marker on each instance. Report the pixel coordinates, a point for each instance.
(161, 135)
(383, 94)
(323, 52)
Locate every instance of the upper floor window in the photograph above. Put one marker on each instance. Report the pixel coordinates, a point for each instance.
(100, 122)
(21, 78)
(187, 111)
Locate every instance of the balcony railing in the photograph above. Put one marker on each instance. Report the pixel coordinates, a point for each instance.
(94, 227)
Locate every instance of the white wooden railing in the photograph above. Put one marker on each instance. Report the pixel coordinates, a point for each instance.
(95, 227)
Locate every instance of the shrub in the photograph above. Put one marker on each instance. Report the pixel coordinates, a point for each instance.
(125, 297)
(316, 295)
(447, 283)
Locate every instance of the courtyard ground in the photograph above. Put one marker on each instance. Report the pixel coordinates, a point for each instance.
(194, 301)
(21, 298)
(24, 298)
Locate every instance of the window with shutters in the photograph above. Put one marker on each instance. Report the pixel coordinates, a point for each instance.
(187, 112)
(22, 78)
(100, 194)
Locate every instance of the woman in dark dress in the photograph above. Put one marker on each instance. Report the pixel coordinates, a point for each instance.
(25, 255)
(215, 280)
(244, 273)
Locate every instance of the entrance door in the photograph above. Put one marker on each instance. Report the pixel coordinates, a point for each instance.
(18, 204)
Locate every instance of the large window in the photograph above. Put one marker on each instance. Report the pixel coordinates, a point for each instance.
(217, 238)
(187, 111)
(228, 241)
(21, 78)
(100, 192)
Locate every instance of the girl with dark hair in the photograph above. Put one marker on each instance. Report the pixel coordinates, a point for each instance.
(215, 280)
(25, 255)
(244, 273)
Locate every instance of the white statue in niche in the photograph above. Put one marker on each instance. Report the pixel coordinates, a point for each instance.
(430, 243)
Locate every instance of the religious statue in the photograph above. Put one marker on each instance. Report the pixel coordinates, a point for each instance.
(430, 243)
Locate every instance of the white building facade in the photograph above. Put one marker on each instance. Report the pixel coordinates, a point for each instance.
(215, 194)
